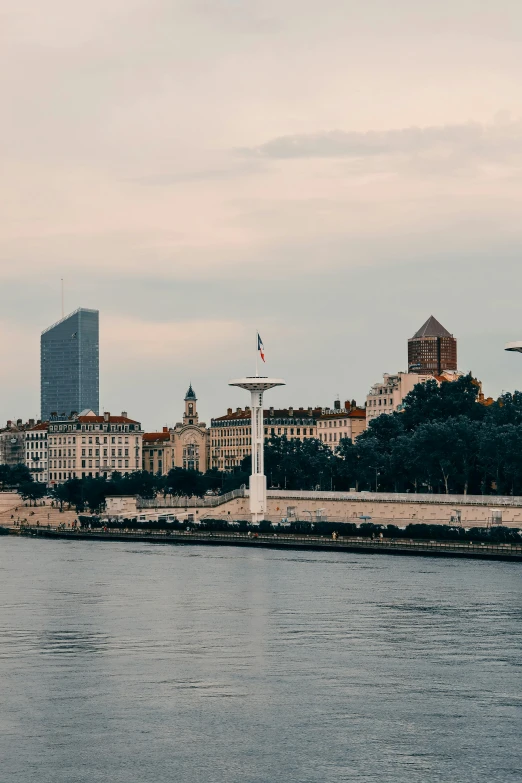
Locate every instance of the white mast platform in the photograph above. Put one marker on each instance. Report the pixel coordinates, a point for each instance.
(517, 346)
(257, 386)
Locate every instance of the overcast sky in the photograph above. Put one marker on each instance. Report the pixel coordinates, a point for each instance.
(330, 173)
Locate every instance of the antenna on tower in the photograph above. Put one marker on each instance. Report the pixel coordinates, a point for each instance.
(63, 311)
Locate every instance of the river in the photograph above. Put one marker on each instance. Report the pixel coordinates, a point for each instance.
(144, 663)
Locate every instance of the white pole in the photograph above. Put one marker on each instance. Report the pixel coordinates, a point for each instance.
(257, 352)
(63, 311)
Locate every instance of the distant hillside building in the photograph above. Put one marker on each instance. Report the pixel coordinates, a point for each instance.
(69, 365)
(388, 396)
(432, 350)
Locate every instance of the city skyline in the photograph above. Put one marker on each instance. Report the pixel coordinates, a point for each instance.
(148, 413)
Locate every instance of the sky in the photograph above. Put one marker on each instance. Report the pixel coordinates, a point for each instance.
(328, 173)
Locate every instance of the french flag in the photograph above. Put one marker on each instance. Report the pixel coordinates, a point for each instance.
(260, 347)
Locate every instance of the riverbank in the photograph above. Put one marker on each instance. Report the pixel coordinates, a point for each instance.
(512, 552)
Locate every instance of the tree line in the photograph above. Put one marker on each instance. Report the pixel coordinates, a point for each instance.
(443, 441)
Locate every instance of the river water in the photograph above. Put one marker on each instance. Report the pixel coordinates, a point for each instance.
(143, 663)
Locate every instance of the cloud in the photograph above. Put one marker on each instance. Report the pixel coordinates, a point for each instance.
(479, 139)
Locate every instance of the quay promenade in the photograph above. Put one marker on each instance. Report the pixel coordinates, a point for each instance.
(399, 546)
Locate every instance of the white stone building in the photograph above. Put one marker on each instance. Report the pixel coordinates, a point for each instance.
(388, 396)
(89, 445)
(36, 451)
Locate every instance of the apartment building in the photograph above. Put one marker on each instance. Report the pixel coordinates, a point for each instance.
(334, 425)
(89, 445)
(36, 451)
(231, 435)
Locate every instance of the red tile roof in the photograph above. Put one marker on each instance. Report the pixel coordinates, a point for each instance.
(150, 437)
(279, 413)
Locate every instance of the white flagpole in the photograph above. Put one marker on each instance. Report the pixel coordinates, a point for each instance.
(257, 351)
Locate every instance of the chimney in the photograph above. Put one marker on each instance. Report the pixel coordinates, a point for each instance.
(310, 411)
(38, 421)
(54, 414)
(290, 411)
(272, 411)
(19, 422)
(238, 410)
(124, 414)
(337, 405)
(9, 424)
(229, 411)
(31, 422)
(106, 416)
(354, 404)
(348, 405)
(165, 429)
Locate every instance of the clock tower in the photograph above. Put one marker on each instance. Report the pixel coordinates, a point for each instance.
(191, 413)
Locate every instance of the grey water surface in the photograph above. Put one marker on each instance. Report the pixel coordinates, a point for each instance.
(143, 663)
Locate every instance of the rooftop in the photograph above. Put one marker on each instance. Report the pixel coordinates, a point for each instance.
(150, 437)
(432, 328)
(273, 413)
(66, 317)
(191, 394)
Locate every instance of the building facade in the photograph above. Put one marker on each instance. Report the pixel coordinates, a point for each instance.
(231, 435)
(12, 442)
(36, 451)
(334, 425)
(432, 350)
(69, 365)
(183, 446)
(86, 445)
(388, 396)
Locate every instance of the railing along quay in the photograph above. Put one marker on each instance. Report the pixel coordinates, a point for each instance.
(342, 543)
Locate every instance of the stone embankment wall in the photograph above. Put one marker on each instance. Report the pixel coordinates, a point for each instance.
(382, 508)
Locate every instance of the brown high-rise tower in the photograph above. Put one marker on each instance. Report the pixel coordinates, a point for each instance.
(432, 349)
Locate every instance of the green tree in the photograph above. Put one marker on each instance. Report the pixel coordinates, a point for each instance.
(32, 491)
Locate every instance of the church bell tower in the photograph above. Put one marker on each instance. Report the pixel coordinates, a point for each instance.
(191, 414)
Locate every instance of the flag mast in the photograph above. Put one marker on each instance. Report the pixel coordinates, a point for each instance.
(257, 351)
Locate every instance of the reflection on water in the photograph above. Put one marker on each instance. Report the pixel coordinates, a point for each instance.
(157, 663)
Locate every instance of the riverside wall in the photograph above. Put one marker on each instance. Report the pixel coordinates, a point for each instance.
(474, 511)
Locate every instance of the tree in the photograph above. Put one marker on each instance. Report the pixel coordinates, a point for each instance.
(14, 475)
(430, 401)
(186, 483)
(32, 491)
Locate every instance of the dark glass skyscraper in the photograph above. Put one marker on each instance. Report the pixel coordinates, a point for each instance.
(69, 365)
